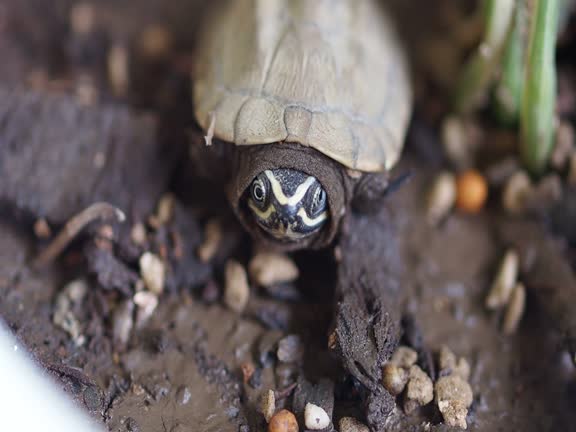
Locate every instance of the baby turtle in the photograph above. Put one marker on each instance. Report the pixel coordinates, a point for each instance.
(314, 98)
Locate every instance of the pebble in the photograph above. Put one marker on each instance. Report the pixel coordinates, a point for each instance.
(419, 390)
(515, 309)
(350, 424)
(42, 229)
(449, 365)
(455, 140)
(516, 191)
(183, 395)
(155, 42)
(404, 357)
(138, 234)
(504, 282)
(153, 272)
(268, 405)
(471, 191)
(165, 210)
(442, 197)
(453, 397)
(212, 238)
(270, 268)
(283, 421)
(290, 349)
(237, 290)
(315, 418)
(118, 70)
(71, 296)
(394, 378)
(147, 303)
(123, 322)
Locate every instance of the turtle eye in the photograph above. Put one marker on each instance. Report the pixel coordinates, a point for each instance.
(318, 204)
(258, 191)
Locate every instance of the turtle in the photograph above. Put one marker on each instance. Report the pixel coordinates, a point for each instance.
(312, 100)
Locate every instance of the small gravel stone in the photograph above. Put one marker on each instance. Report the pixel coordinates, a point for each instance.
(442, 197)
(138, 234)
(268, 405)
(269, 268)
(516, 192)
(453, 397)
(394, 378)
(118, 70)
(456, 141)
(315, 418)
(515, 309)
(504, 282)
(419, 390)
(155, 42)
(147, 303)
(123, 322)
(350, 424)
(404, 357)
(212, 239)
(290, 349)
(153, 272)
(183, 395)
(450, 365)
(283, 421)
(237, 290)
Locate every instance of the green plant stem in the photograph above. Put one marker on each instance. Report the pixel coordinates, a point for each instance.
(537, 122)
(480, 69)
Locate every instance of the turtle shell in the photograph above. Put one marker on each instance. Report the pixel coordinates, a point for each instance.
(329, 74)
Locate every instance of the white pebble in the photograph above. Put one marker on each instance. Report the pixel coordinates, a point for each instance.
(211, 243)
(153, 272)
(515, 309)
(315, 418)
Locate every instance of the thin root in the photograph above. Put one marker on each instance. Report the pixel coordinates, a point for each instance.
(102, 211)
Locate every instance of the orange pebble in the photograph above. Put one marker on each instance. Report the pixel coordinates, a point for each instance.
(472, 191)
(283, 421)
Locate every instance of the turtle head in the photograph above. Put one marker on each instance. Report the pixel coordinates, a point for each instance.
(288, 204)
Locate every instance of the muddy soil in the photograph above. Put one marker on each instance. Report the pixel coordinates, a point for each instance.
(192, 364)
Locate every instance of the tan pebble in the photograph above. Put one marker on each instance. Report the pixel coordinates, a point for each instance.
(504, 281)
(153, 272)
(394, 378)
(515, 309)
(455, 140)
(404, 357)
(419, 390)
(572, 170)
(350, 424)
(237, 290)
(122, 322)
(446, 359)
(564, 145)
(270, 268)
(165, 210)
(42, 229)
(283, 421)
(454, 413)
(212, 238)
(517, 191)
(268, 405)
(118, 69)
(147, 303)
(454, 388)
(155, 42)
(442, 197)
(315, 417)
(82, 18)
(138, 234)
(462, 369)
